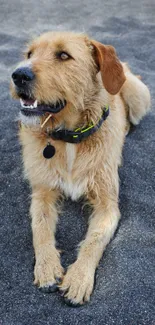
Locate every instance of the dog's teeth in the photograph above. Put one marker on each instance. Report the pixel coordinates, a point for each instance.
(21, 102)
(35, 103)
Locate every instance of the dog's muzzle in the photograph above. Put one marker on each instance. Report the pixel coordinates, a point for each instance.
(23, 79)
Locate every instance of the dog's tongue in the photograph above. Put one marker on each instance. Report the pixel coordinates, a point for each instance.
(28, 102)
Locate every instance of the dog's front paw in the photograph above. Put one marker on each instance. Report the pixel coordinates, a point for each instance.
(77, 284)
(48, 272)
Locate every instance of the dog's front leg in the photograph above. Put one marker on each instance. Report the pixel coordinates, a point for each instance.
(79, 280)
(48, 270)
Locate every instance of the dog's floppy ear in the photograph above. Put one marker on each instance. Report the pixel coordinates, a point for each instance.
(110, 67)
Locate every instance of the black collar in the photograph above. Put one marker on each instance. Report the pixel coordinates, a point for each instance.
(79, 134)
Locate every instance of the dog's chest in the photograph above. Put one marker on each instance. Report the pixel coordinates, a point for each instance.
(71, 152)
(71, 186)
(63, 171)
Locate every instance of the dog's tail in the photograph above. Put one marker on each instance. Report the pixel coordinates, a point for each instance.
(136, 96)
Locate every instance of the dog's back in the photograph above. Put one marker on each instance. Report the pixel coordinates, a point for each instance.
(136, 95)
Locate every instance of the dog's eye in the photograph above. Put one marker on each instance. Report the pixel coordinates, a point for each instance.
(29, 54)
(63, 56)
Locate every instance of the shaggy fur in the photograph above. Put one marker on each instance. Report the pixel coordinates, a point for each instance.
(91, 78)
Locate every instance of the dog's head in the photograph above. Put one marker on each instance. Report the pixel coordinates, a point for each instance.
(62, 68)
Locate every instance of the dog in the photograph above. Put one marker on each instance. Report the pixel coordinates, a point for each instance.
(77, 102)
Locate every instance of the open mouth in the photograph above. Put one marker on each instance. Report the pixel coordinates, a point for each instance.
(31, 107)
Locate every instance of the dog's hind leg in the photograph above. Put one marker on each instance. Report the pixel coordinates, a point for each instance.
(136, 96)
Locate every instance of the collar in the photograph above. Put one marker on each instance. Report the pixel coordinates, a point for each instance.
(79, 134)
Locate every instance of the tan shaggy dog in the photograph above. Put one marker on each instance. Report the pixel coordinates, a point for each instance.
(67, 81)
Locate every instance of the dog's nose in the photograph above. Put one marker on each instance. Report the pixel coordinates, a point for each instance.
(22, 76)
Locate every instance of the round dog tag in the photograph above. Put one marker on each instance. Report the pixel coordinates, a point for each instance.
(49, 151)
